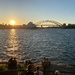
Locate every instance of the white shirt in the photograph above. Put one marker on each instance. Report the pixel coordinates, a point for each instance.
(40, 73)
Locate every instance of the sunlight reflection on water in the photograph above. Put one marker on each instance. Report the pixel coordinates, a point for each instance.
(12, 45)
(56, 44)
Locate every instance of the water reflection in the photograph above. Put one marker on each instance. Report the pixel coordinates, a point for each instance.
(56, 44)
(13, 43)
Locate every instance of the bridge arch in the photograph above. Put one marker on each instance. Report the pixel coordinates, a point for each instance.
(49, 23)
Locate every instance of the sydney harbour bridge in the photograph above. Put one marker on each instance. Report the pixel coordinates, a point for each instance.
(48, 23)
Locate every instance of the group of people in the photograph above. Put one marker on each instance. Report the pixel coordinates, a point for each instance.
(12, 63)
(30, 69)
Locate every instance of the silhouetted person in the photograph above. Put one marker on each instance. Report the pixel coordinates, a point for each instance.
(30, 70)
(10, 63)
(25, 64)
(29, 62)
(14, 63)
(46, 66)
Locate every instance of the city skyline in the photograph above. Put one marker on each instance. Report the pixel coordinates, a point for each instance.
(24, 11)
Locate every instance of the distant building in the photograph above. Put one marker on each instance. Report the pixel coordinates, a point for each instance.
(31, 25)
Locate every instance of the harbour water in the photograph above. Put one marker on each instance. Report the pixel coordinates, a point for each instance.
(34, 44)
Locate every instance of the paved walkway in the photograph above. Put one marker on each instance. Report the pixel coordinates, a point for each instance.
(65, 69)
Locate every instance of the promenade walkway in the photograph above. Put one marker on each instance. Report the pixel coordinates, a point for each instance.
(65, 69)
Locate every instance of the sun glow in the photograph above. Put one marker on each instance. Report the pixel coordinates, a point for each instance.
(12, 22)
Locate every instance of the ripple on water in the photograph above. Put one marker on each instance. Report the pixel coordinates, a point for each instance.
(56, 44)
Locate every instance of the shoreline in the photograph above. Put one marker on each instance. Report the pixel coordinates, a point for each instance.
(62, 67)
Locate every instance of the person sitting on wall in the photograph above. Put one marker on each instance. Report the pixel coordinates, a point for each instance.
(38, 71)
(30, 70)
(57, 72)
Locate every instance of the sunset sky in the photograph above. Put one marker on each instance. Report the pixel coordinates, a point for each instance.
(24, 11)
